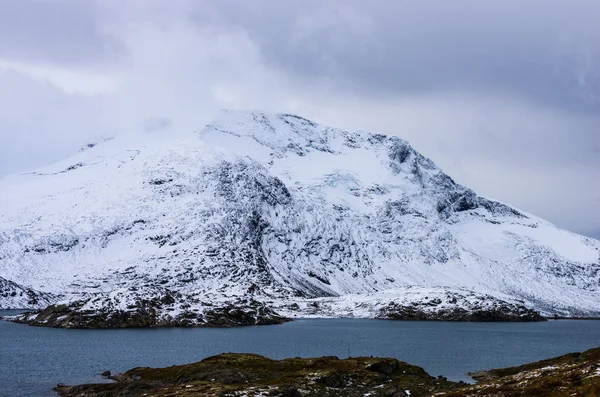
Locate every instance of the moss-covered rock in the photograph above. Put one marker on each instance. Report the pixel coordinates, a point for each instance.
(575, 374)
(229, 375)
(253, 375)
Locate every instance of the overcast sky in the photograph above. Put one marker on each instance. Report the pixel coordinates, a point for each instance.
(503, 95)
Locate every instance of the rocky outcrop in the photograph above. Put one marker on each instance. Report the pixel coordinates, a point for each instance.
(230, 375)
(499, 312)
(575, 374)
(408, 303)
(231, 316)
(148, 314)
(416, 303)
(413, 313)
(16, 296)
(252, 375)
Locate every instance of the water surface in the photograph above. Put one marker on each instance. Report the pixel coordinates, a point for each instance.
(33, 360)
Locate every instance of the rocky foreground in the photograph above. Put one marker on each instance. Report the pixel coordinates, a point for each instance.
(249, 375)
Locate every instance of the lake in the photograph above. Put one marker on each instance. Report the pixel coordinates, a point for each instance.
(33, 360)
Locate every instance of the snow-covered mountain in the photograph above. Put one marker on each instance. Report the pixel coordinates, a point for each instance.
(280, 209)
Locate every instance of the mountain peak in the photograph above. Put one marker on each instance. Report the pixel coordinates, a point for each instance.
(284, 132)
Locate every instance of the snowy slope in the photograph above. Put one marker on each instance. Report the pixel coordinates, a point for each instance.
(280, 208)
(15, 296)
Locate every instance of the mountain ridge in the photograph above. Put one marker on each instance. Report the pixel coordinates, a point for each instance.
(279, 208)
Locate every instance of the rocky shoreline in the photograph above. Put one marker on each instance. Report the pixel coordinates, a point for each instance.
(415, 303)
(499, 314)
(166, 308)
(250, 375)
(148, 316)
(248, 314)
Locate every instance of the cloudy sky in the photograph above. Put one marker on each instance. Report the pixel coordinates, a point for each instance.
(504, 95)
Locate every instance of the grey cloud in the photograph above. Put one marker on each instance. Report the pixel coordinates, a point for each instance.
(40, 124)
(157, 124)
(499, 94)
(594, 234)
(55, 31)
(543, 50)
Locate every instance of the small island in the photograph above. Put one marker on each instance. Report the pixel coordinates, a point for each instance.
(250, 375)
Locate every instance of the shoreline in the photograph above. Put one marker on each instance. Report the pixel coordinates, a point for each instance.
(279, 320)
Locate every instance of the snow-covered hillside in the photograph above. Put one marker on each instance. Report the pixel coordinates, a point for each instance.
(15, 296)
(278, 208)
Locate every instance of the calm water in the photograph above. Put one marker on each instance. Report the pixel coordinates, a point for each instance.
(33, 360)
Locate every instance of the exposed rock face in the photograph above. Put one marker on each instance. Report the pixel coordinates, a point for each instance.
(415, 303)
(150, 314)
(236, 315)
(15, 296)
(278, 209)
(507, 313)
(481, 308)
